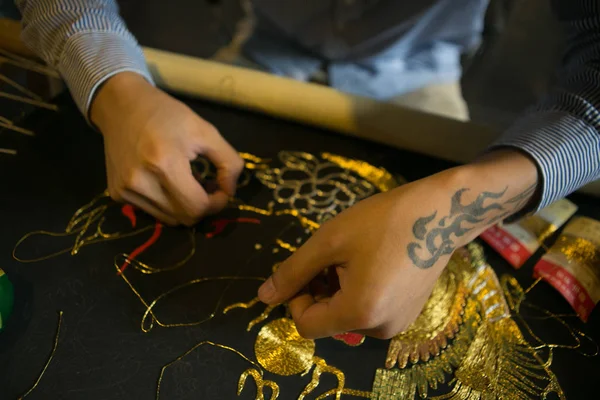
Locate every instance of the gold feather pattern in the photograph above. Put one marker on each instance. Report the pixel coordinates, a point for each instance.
(439, 321)
(484, 354)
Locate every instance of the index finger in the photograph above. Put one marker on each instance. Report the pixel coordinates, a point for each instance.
(299, 269)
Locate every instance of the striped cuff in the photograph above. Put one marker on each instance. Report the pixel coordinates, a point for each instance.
(565, 148)
(90, 58)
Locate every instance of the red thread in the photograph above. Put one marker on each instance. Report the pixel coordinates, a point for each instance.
(128, 211)
(221, 224)
(155, 235)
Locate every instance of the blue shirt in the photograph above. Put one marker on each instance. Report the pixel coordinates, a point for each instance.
(374, 48)
(378, 48)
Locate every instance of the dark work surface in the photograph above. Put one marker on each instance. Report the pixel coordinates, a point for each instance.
(102, 354)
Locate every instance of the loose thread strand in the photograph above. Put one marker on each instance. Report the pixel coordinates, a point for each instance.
(50, 358)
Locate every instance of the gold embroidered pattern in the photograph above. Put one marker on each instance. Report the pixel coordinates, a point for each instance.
(309, 224)
(321, 189)
(379, 177)
(90, 217)
(253, 162)
(256, 373)
(150, 318)
(439, 321)
(488, 357)
(261, 384)
(246, 305)
(416, 379)
(285, 245)
(281, 350)
(350, 392)
(515, 296)
(465, 332)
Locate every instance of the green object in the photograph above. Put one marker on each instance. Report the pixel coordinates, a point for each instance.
(6, 299)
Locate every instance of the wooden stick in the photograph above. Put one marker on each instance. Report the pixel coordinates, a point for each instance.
(27, 100)
(17, 129)
(8, 151)
(319, 106)
(20, 88)
(31, 66)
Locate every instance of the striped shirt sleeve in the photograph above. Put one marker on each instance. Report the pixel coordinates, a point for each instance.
(85, 40)
(562, 132)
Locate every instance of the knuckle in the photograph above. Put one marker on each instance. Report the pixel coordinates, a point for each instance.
(203, 130)
(237, 164)
(209, 128)
(364, 318)
(194, 212)
(368, 314)
(283, 281)
(278, 278)
(132, 179)
(157, 161)
(330, 239)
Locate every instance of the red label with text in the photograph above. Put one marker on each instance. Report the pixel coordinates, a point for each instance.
(511, 249)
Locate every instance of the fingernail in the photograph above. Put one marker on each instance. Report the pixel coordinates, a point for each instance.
(266, 292)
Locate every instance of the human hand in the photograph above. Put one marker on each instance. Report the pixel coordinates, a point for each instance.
(149, 140)
(389, 250)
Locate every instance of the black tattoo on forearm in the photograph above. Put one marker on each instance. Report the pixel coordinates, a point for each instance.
(433, 242)
(515, 203)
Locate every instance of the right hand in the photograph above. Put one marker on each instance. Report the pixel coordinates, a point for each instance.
(149, 140)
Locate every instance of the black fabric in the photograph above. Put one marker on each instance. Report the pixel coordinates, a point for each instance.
(102, 353)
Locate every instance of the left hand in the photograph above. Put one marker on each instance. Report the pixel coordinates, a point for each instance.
(379, 248)
(150, 138)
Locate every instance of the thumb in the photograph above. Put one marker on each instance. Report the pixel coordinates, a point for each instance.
(296, 272)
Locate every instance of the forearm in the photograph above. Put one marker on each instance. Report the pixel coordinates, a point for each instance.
(512, 169)
(506, 181)
(462, 202)
(120, 93)
(86, 41)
